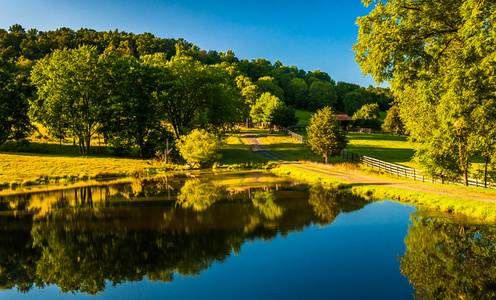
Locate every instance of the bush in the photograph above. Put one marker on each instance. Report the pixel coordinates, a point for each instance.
(199, 147)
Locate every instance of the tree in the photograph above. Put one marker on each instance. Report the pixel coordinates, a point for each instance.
(132, 107)
(284, 116)
(70, 95)
(437, 57)
(192, 95)
(343, 88)
(320, 95)
(199, 147)
(268, 85)
(325, 136)
(393, 120)
(367, 116)
(296, 93)
(14, 120)
(355, 99)
(264, 108)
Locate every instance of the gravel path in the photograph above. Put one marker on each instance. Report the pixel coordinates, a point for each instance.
(257, 147)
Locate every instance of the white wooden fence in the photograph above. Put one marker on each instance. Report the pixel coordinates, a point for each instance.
(411, 173)
(295, 136)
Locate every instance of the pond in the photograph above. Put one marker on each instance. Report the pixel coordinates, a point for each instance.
(242, 235)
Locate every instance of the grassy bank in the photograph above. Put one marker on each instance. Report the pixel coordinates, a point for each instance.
(473, 208)
(45, 161)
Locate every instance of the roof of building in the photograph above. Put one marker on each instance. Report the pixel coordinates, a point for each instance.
(342, 117)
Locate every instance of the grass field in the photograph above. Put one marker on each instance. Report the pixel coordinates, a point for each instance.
(45, 161)
(303, 116)
(391, 148)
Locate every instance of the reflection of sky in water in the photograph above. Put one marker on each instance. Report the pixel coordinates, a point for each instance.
(292, 254)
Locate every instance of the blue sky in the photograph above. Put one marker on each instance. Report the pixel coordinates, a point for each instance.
(308, 34)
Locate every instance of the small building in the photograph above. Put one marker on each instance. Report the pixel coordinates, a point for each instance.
(344, 120)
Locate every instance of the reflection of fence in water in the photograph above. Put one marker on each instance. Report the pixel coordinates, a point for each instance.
(406, 172)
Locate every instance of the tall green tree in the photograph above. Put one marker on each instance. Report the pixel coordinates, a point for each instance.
(192, 95)
(321, 94)
(393, 121)
(325, 136)
(70, 93)
(367, 116)
(14, 106)
(132, 110)
(437, 57)
(296, 93)
(264, 108)
(284, 116)
(355, 99)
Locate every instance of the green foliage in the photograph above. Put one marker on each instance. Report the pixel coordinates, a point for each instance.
(264, 108)
(393, 122)
(267, 84)
(355, 99)
(199, 147)
(284, 116)
(131, 113)
(321, 94)
(367, 116)
(70, 93)
(437, 57)
(296, 93)
(325, 135)
(449, 261)
(192, 95)
(14, 120)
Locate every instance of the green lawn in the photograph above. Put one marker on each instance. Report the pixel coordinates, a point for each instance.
(391, 148)
(303, 116)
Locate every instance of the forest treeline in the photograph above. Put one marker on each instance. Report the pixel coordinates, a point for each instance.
(130, 87)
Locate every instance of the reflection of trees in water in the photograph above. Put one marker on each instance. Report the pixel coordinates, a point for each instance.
(83, 238)
(265, 202)
(82, 261)
(199, 195)
(450, 261)
(329, 203)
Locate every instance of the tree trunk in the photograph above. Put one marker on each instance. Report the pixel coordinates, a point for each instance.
(88, 141)
(326, 158)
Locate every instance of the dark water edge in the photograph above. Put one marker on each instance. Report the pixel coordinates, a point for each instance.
(236, 235)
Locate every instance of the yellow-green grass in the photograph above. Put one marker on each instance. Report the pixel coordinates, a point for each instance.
(236, 152)
(22, 169)
(286, 147)
(391, 148)
(63, 163)
(473, 208)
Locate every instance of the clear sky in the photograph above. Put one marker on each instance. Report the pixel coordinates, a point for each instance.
(308, 34)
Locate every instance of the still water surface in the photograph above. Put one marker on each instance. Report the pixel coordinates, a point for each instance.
(235, 236)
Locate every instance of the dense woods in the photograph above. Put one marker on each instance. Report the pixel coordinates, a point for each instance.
(136, 90)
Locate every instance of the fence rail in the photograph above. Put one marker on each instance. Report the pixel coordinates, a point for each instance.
(407, 172)
(295, 136)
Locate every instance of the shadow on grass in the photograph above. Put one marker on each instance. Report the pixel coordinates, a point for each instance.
(63, 150)
(392, 155)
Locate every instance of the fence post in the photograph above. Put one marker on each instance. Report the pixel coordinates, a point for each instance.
(414, 174)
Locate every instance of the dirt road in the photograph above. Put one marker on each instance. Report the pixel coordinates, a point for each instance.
(257, 147)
